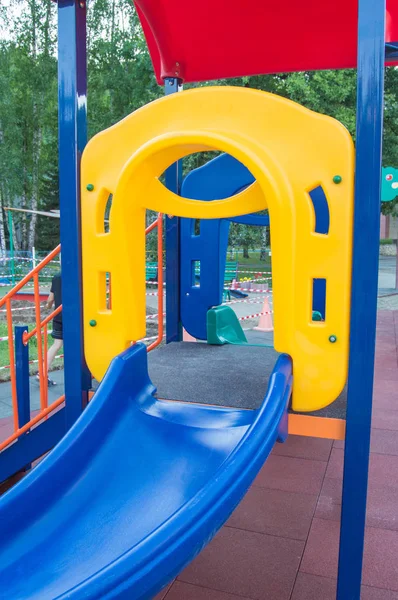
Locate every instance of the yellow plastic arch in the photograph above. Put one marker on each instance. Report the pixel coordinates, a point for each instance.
(290, 151)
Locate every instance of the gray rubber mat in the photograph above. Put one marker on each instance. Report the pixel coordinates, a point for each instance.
(265, 338)
(235, 376)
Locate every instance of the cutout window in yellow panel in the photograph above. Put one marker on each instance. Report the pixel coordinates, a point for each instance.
(318, 299)
(107, 213)
(105, 292)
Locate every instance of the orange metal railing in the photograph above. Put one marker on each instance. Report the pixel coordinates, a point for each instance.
(41, 333)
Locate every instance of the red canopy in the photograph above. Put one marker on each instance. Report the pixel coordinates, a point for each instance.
(200, 40)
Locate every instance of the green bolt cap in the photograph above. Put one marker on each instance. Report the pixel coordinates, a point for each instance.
(337, 179)
(92, 323)
(89, 187)
(332, 339)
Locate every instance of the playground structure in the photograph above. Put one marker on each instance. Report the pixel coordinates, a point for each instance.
(199, 459)
(389, 185)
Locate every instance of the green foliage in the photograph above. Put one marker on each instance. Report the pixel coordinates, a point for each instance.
(120, 80)
(5, 355)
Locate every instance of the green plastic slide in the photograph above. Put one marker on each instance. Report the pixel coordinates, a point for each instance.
(223, 327)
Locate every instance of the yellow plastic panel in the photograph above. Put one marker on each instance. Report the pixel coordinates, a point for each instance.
(289, 150)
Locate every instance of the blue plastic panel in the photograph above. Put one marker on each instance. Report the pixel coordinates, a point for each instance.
(221, 177)
(321, 210)
(134, 490)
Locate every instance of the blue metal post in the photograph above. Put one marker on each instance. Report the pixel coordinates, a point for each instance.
(371, 51)
(22, 375)
(22, 378)
(173, 182)
(72, 132)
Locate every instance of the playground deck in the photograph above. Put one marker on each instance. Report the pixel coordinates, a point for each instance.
(233, 376)
(282, 541)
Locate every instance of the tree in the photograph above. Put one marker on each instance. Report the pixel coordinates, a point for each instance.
(246, 237)
(120, 80)
(29, 79)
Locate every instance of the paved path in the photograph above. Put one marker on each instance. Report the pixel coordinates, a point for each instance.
(387, 274)
(54, 392)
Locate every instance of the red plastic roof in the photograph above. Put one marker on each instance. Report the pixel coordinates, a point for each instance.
(200, 40)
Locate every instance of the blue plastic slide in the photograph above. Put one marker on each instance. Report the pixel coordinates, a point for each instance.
(134, 490)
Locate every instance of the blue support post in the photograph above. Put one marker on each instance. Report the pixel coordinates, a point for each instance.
(371, 52)
(22, 375)
(173, 183)
(72, 132)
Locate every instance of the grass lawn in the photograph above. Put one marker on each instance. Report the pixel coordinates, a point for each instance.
(5, 357)
(253, 262)
(250, 268)
(44, 285)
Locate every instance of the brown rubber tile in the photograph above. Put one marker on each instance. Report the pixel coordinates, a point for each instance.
(385, 419)
(383, 468)
(292, 474)
(187, 591)
(275, 512)
(382, 504)
(298, 446)
(383, 374)
(372, 593)
(322, 548)
(383, 441)
(163, 593)
(247, 564)
(380, 558)
(313, 587)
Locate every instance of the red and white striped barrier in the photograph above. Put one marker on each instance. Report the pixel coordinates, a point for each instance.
(25, 258)
(244, 302)
(18, 309)
(257, 280)
(149, 339)
(154, 316)
(30, 362)
(268, 312)
(256, 291)
(227, 270)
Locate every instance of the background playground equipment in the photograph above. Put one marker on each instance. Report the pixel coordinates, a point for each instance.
(265, 323)
(103, 432)
(389, 184)
(203, 240)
